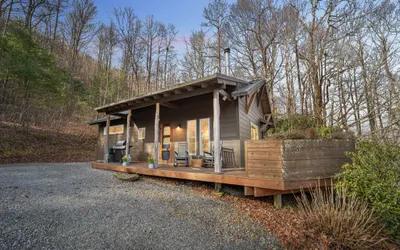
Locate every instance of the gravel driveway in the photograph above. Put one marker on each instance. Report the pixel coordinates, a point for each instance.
(72, 206)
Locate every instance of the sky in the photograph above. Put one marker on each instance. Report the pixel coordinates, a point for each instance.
(186, 15)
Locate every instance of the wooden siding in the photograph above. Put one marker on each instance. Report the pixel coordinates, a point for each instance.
(112, 138)
(245, 120)
(314, 159)
(264, 159)
(296, 160)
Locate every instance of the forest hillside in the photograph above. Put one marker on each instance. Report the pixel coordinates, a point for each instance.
(337, 61)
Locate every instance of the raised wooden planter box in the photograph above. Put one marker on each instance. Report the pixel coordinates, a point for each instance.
(295, 160)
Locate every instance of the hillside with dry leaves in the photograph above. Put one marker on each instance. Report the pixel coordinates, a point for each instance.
(75, 141)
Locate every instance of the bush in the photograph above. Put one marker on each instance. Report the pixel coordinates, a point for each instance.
(345, 221)
(295, 122)
(374, 177)
(305, 127)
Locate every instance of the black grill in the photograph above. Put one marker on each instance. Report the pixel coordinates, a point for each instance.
(119, 149)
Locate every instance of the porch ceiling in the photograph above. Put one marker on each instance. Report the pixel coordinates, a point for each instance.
(185, 90)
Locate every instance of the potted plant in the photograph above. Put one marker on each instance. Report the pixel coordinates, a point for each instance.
(125, 161)
(150, 160)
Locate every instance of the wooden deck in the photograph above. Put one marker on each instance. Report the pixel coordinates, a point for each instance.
(237, 176)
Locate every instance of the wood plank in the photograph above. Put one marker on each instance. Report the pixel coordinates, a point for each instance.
(156, 133)
(224, 178)
(170, 105)
(305, 184)
(265, 149)
(245, 157)
(107, 138)
(264, 156)
(264, 164)
(225, 95)
(290, 145)
(128, 132)
(299, 165)
(248, 191)
(266, 143)
(313, 154)
(260, 192)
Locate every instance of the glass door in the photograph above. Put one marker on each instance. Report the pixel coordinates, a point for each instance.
(165, 149)
(204, 135)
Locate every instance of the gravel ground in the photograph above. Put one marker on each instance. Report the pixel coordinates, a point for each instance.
(72, 206)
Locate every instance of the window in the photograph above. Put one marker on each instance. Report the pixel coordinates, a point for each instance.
(254, 131)
(192, 137)
(142, 133)
(114, 130)
(204, 135)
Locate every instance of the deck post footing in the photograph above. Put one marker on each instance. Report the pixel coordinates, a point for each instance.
(278, 201)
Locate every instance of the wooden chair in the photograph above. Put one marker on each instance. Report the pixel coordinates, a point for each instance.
(227, 155)
(182, 156)
(208, 160)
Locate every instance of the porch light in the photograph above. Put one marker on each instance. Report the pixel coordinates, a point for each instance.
(179, 125)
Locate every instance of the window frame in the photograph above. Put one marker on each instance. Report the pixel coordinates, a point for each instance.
(144, 133)
(201, 136)
(195, 136)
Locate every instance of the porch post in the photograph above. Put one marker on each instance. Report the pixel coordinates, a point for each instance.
(128, 131)
(217, 143)
(156, 133)
(106, 139)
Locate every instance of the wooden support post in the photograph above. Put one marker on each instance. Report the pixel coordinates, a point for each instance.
(278, 201)
(217, 144)
(156, 134)
(248, 191)
(106, 139)
(218, 187)
(128, 132)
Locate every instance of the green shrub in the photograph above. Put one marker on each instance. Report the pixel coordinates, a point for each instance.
(305, 127)
(374, 176)
(346, 222)
(294, 122)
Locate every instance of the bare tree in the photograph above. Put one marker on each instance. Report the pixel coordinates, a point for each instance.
(216, 15)
(79, 27)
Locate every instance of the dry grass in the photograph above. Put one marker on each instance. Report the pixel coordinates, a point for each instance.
(345, 221)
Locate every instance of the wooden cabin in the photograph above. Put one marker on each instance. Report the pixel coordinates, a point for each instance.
(225, 112)
(188, 113)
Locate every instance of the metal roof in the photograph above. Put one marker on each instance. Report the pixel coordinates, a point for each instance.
(112, 117)
(249, 89)
(144, 99)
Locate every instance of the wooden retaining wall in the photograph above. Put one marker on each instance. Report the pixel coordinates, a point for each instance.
(296, 160)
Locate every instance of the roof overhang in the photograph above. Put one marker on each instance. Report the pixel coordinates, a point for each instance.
(249, 89)
(177, 92)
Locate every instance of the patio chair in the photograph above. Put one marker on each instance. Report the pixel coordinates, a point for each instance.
(208, 159)
(227, 157)
(182, 156)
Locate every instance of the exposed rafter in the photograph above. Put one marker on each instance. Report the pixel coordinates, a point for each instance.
(225, 95)
(170, 105)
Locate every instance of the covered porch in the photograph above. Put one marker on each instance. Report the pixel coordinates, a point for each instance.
(159, 119)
